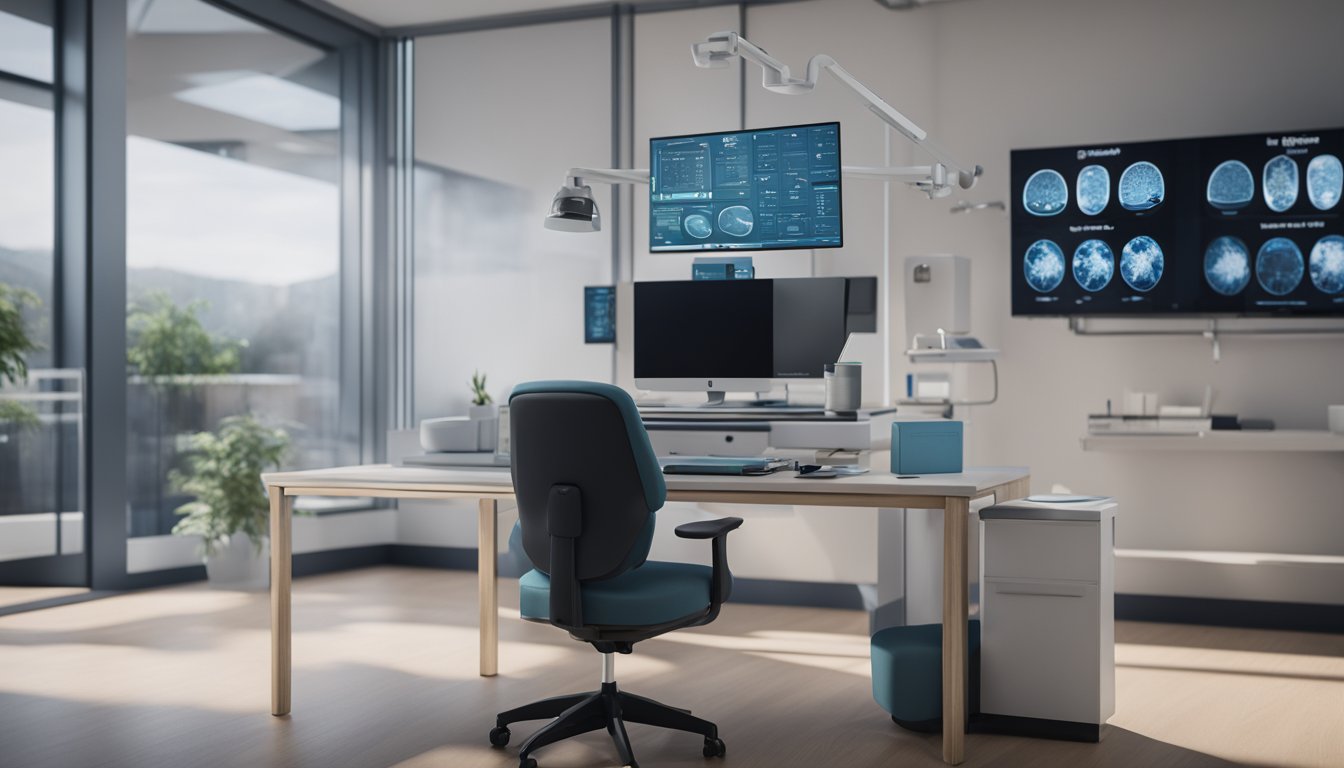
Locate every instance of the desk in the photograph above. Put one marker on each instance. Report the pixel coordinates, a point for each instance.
(950, 493)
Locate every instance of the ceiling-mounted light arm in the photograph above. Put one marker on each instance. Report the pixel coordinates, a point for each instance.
(577, 176)
(776, 76)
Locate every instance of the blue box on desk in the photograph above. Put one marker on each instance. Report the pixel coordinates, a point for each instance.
(925, 447)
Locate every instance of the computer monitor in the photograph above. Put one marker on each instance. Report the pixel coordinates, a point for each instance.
(767, 189)
(722, 336)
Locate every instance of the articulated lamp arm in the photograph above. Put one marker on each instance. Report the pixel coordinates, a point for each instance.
(933, 180)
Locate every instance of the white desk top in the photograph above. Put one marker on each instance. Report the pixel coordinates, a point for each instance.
(975, 481)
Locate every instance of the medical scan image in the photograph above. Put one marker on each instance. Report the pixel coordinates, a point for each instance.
(697, 225)
(1044, 266)
(1280, 183)
(1227, 265)
(1142, 187)
(1046, 193)
(1325, 181)
(1231, 186)
(1278, 266)
(1093, 189)
(1327, 264)
(736, 220)
(1093, 264)
(1141, 262)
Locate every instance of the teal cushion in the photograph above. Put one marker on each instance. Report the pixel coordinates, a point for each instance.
(646, 462)
(908, 670)
(654, 593)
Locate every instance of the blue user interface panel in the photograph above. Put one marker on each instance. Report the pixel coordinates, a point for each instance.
(599, 314)
(746, 190)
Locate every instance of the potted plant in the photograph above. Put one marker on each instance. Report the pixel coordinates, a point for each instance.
(485, 412)
(15, 417)
(231, 511)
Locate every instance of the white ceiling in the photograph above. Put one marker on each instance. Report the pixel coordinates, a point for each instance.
(398, 13)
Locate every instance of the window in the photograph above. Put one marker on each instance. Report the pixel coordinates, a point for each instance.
(39, 413)
(233, 246)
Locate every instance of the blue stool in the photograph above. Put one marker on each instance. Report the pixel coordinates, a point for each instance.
(908, 674)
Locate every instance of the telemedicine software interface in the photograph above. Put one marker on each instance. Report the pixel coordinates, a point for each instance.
(746, 190)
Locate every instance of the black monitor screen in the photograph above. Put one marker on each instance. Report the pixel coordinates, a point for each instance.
(746, 190)
(1231, 225)
(704, 329)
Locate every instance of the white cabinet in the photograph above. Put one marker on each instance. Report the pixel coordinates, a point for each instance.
(1048, 610)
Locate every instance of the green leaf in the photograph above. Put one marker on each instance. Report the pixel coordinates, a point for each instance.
(168, 340)
(223, 473)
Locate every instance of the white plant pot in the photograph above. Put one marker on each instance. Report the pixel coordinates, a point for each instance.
(237, 565)
(483, 412)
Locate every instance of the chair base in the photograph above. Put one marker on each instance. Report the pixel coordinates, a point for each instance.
(608, 708)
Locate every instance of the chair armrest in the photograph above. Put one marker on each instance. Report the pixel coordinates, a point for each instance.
(721, 584)
(708, 529)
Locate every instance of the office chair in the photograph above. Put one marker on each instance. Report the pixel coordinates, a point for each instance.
(588, 485)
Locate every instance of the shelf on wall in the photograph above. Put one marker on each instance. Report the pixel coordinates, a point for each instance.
(1220, 440)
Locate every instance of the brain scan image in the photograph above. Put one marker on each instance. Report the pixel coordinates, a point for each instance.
(1093, 264)
(1141, 263)
(1045, 193)
(1044, 266)
(1231, 186)
(1093, 189)
(1227, 265)
(1325, 181)
(697, 226)
(1327, 264)
(1280, 183)
(1142, 187)
(736, 220)
(1278, 266)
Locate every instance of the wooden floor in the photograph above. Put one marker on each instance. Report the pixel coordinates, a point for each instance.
(385, 664)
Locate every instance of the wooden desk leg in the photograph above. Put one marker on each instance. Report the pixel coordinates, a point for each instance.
(487, 571)
(955, 512)
(282, 508)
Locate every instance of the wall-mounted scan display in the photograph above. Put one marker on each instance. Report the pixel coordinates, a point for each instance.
(1226, 225)
(746, 190)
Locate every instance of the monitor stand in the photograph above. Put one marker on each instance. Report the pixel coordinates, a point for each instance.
(715, 397)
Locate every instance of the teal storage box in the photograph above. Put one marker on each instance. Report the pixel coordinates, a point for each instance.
(925, 447)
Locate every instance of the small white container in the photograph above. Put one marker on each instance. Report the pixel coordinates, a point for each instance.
(1335, 416)
(844, 386)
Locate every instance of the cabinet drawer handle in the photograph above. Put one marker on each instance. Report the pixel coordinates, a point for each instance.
(1043, 590)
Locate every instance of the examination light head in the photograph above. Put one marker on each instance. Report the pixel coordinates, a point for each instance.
(716, 51)
(574, 209)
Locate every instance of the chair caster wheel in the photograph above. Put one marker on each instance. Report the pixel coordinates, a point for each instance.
(714, 748)
(499, 736)
(528, 763)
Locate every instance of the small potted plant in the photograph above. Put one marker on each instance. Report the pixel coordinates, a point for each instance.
(231, 511)
(485, 412)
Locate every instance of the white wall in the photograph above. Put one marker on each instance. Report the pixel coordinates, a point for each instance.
(986, 77)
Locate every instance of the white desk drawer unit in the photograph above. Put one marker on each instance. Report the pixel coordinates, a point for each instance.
(1048, 612)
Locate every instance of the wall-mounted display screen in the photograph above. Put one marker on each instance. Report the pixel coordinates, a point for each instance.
(746, 190)
(1231, 225)
(599, 314)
